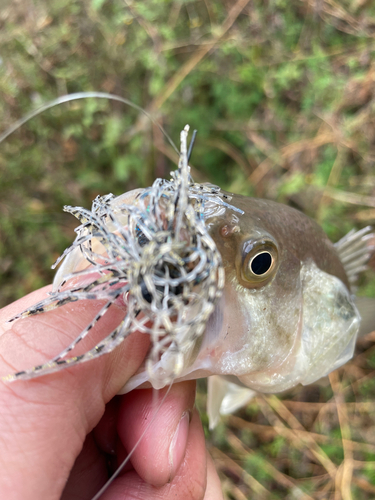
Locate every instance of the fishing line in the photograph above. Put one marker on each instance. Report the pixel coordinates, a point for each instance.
(191, 145)
(83, 95)
(126, 460)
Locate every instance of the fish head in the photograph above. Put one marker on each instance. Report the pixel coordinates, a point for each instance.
(286, 315)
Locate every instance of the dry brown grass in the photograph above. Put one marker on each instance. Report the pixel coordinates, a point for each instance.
(315, 442)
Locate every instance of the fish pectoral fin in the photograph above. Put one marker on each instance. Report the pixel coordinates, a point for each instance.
(366, 308)
(224, 397)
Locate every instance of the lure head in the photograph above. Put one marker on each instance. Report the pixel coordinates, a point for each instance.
(286, 315)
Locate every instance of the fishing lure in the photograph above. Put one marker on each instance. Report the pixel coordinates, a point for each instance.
(152, 248)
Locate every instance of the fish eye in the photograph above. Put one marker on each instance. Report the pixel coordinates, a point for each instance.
(259, 262)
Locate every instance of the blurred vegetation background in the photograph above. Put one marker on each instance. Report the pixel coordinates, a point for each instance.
(283, 96)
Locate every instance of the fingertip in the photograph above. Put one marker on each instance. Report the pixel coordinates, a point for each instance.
(162, 426)
(190, 480)
(11, 310)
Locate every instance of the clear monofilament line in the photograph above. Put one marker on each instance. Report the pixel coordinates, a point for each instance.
(78, 96)
(128, 457)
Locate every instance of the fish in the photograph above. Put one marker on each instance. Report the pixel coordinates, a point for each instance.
(287, 314)
(247, 292)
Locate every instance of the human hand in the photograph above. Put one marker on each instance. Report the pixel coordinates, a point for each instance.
(58, 437)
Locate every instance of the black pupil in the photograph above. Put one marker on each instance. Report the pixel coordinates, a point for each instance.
(261, 263)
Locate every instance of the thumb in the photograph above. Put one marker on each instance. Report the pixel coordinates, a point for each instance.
(44, 421)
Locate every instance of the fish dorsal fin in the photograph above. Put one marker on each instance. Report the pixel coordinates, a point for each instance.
(355, 251)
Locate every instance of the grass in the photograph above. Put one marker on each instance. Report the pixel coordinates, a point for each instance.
(282, 94)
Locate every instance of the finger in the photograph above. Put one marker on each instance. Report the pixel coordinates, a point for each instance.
(161, 450)
(164, 430)
(43, 422)
(188, 483)
(105, 432)
(36, 339)
(213, 488)
(107, 439)
(88, 475)
(99, 457)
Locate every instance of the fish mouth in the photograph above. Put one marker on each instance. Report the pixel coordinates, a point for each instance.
(300, 367)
